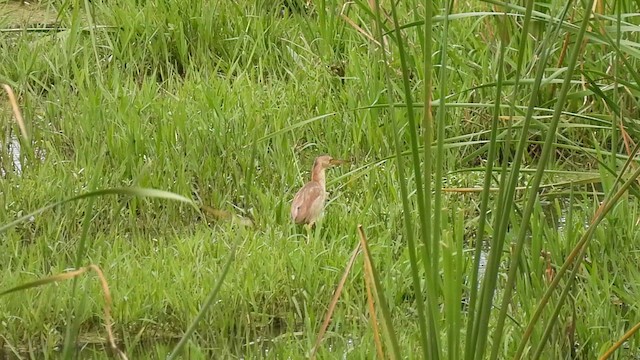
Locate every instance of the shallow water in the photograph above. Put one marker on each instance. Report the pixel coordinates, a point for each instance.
(13, 151)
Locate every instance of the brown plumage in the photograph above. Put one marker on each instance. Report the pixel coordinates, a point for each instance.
(308, 203)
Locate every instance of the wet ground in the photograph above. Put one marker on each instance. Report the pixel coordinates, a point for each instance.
(18, 14)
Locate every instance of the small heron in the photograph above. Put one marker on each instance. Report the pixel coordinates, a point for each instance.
(308, 203)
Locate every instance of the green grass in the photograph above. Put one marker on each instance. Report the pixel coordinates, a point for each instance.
(229, 104)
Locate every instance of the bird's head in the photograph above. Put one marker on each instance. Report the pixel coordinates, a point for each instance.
(326, 161)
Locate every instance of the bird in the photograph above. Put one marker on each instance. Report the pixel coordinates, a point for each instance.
(308, 203)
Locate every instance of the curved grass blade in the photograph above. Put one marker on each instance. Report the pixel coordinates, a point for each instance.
(368, 281)
(16, 111)
(132, 191)
(404, 192)
(436, 206)
(72, 275)
(503, 204)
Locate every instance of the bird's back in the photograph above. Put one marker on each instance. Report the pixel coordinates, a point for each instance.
(308, 203)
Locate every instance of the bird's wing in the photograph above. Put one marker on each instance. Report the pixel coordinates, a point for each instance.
(307, 204)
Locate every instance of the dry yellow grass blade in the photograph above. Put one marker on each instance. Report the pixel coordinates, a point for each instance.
(105, 290)
(16, 111)
(620, 342)
(359, 29)
(368, 280)
(334, 301)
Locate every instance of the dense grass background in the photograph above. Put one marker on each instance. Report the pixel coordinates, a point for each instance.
(229, 104)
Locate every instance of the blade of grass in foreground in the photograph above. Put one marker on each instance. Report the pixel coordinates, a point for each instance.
(503, 206)
(472, 335)
(624, 188)
(131, 191)
(620, 342)
(577, 255)
(404, 192)
(436, 226)
(428, 129)
(537, 179)
(72, 275)
(368, 281)
(207, 304)
(72, 324)
(17, 114)
(334, 302)
(379, 292)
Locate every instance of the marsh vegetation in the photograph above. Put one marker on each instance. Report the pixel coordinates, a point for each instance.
(501, 218)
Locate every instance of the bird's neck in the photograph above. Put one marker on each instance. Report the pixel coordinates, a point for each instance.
(317, 175)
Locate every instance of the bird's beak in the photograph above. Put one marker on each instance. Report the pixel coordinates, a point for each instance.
(338, 162)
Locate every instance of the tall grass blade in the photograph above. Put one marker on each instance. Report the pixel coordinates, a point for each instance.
(426, 339)
(382, 301)
(73, 322)
(504, 202)
(334, 302)
(472, 334)
(368, 281)
(441, 125)
(427, 120)
(437, 224)
(535, 184)
(177, 350)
